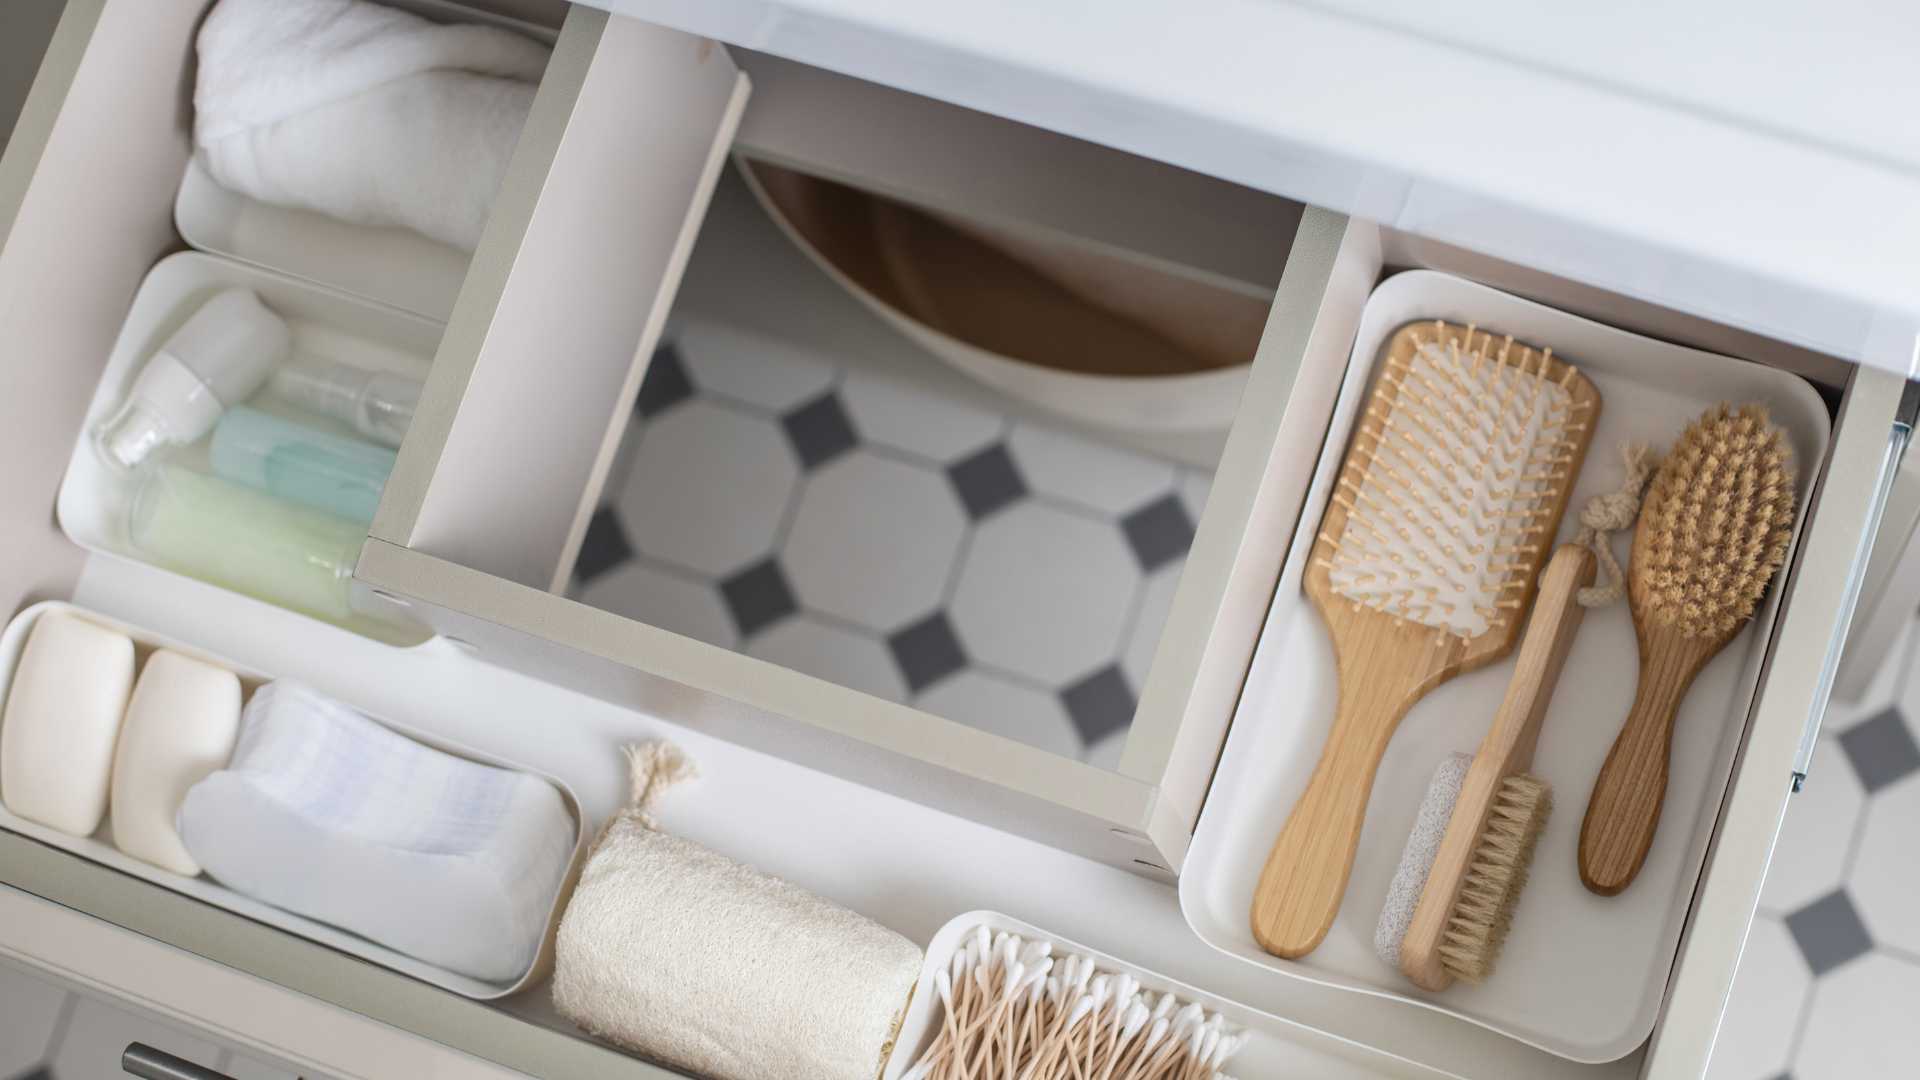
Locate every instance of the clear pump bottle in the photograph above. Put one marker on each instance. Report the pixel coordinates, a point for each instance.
(377, 404)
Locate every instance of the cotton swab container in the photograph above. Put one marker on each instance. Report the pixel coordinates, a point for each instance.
(999, 998)
(695, 960)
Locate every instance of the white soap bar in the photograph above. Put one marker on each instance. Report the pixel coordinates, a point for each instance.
(328, 814)
(180, 726)
(63, 716)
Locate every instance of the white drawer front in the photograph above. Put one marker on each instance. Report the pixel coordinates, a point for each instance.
(262, 989)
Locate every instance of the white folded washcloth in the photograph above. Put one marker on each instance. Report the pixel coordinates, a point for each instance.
(330, 815)
(363, 113)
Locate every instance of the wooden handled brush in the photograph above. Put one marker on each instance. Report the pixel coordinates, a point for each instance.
(1425, 563)
(1715, 527)
(1481, 866)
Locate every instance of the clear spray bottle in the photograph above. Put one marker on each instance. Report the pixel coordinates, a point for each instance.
(377, 404)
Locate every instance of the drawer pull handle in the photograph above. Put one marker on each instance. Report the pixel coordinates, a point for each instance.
(1904, 421)
(141, 1060)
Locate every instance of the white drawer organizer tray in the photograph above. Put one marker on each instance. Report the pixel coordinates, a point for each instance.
(1581, 976)
(374, 297)
(99, 847)
(325, 323)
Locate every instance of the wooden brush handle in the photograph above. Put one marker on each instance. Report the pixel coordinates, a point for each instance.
(1306, 873)
(1507, 749)
(1624, 810)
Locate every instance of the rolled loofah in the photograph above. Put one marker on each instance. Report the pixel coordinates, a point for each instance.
(711, 966)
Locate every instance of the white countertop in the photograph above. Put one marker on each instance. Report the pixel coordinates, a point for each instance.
(1750, 162)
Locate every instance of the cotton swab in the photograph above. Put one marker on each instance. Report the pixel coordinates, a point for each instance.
(1015, 1010)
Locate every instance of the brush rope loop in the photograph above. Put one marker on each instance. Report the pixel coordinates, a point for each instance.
(1613, 512)
(653, 767)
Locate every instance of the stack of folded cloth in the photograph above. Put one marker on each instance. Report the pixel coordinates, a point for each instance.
(363, 113)
(327, 814)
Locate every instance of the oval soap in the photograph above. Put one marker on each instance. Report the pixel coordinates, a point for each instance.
(181, 725)
(62, 720)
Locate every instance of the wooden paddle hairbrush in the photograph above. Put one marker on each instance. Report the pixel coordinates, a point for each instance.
(1426, 561)
(1715, 527)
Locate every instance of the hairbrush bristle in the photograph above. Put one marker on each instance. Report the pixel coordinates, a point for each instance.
(1722, 517)
(1451, 506)
(1483, 914)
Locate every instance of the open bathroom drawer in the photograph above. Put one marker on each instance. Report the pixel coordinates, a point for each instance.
(483, 519)
(543, 354)
(437, 554)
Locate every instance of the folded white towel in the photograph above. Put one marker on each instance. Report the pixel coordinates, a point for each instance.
(328, 814)
(361, 112)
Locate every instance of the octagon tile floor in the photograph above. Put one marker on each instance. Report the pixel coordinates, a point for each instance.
(1829, 985)
(1007, 574)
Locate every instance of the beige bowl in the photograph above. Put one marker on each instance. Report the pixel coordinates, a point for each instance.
(1092, 335)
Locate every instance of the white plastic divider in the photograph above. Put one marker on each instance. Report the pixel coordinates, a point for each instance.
(564, 299)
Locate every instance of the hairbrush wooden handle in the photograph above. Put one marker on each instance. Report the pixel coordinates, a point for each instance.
(1624, 810)
(1507, 749)
(1305, 876)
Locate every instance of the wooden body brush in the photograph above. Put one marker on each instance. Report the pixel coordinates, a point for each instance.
(1716, 525)
(1480, 867)
(1427, 558)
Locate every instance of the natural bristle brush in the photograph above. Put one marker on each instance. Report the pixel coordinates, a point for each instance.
(1424, 566)
(1452, 899)
(1715, 527)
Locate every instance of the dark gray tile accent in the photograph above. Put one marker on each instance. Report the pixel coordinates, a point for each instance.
(1100, 704)
(820, 430)
(665, 384)
(1829, 932)
(604, 547)
(758, 597)
(1881, 749)
(1158, 532)
(986, 481)
(926, 651)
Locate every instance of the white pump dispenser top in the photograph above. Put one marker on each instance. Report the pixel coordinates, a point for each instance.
(217, 359)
